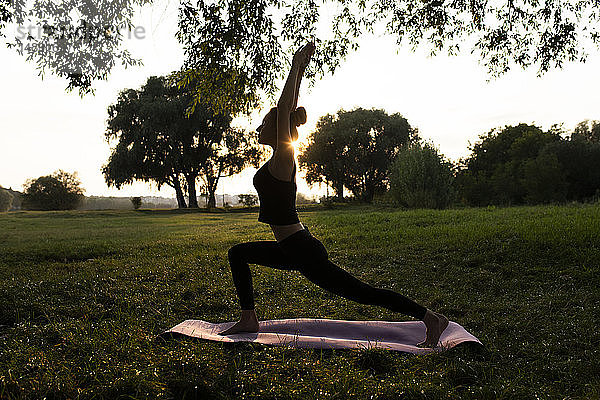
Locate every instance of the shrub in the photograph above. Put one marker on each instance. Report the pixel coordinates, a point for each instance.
(421, 178)
(137, 202)
(301, 198)
(248, 200)
(328, 202)
(494, 172)
(6, 200)
(580, 162)
(544, 179)
(384, 199)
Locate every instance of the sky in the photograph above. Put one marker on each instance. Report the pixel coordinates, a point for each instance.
(449, 99)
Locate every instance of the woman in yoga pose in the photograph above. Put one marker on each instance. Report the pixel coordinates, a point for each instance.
(295, 248)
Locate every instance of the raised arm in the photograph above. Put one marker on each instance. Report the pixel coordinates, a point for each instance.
(286, 103)
(301, 69)
(289, 96)
(282, 163)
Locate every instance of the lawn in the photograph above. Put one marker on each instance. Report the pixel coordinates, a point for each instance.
(83, 295)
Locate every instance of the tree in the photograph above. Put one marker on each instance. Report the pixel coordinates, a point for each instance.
(242, 41)
(228, 157)
(587, 131)
(304, 199)
(235, 49)
(142, 122)
(16, 198)
(421, 178)
(6, 199)
(59, 191)
(355, 149)
(248, 200)
(545, 179)
(494, 172)
(75, 40)
(323, 158)
(580, 165)
(6, 14)
(158, 142)
(136, 202)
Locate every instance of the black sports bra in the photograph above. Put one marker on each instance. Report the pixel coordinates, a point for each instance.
(277, 198)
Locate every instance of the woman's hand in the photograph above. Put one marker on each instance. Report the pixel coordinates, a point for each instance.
(303, 55)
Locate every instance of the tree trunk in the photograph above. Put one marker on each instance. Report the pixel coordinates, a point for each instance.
(212, 181)
(179, 194)
(193, 200)
(369, 194)
(339, 191)
(368, 191)
(212, 200)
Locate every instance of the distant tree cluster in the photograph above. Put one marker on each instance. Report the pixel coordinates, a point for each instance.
(369, 152)
(524, 165)
(58, 191)
(587, 131)
(124, 203)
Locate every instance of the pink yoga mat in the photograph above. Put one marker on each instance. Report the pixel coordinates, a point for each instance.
(330, 334)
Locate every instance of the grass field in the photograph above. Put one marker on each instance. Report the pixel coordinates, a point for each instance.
(82, 295)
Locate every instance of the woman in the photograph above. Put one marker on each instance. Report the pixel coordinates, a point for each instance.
(295, 248)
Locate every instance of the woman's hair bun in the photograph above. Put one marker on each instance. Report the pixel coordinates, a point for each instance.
(298, 116)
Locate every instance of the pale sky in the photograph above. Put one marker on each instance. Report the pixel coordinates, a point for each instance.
(448, 99)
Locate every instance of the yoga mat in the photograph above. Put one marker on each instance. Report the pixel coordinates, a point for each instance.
(330, 334)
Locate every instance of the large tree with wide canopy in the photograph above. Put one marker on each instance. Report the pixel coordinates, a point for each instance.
(155, 141)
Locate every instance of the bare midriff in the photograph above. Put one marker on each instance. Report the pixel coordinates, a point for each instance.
(283, 231)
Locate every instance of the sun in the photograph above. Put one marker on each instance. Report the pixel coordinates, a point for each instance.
(296, 146)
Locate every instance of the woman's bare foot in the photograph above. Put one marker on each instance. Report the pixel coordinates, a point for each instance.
(435, 324)
(248, 323)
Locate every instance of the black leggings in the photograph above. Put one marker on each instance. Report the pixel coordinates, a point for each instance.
(304, 253)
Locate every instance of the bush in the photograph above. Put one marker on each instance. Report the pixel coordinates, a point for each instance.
(137, 202)
(59, 191)
(384, 199)
(421, 178)
(301, 198)
(328, 202)
(545, 180)
(6, 200)
(494, 172)
(580, 162)
(248, 200)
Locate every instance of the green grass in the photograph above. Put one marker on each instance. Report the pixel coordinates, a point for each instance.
(83, 294)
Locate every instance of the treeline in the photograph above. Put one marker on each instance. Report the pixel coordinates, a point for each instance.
(124, 203)
(366, 153)
(63, 191)
(525, 165)
(374, 155)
